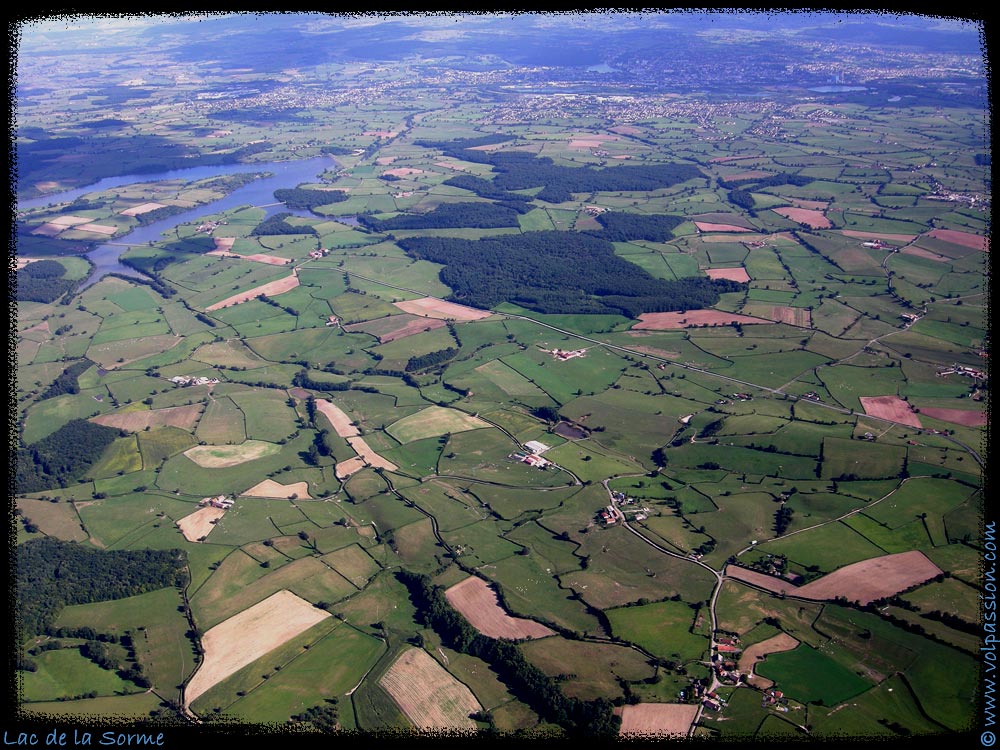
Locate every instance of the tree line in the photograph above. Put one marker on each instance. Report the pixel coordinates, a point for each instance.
(580, 718)
(306, 199)
(277, 225)
(447, 215)
(52, 574)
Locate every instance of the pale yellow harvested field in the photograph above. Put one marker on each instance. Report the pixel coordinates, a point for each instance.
(184, 417)
(221, 456)
(251, 634)
(370, 456)
(272, 260)
(341, 422)
(145, 208)
(755, 653)
(385, 160)
(656, 719)
(271, 289)
(97, 228)
(198, 524)
(704, 226)
(344, 469)
(427, 694)
(478, 603)
(69, 221)
(270, 488)
(733, 274)
(433, 307)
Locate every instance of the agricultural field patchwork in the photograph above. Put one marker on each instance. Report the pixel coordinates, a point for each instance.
(480, 391)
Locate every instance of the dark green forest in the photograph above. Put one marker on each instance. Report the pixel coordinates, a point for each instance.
(52, 574)
(62, 457)
(305, 199)
(558, 272)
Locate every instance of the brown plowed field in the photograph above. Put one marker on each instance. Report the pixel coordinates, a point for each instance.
(924, 253)
(270, 488)
(656, 719)
(794, 316)
(428, 694)
(224, 243)
(965, 239)
(807, 216)
(244, 638)
(478, 603)
(184, 417)
(755, 653)
(890, 407)
(690, 319)
(396, 326)
(340, 421)
(704, 226)
(433, 307)
(271, 289)
(872, 579)
(733, 274)
(864, 581)
(964, 417)
(402, 171)
(198, 524)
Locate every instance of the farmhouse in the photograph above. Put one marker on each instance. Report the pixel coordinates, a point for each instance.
(909, 317)
(535, 460)
(535, 447)
(186, 380)
(220, 501)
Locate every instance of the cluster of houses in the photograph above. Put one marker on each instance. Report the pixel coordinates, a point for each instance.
(186, 380)
(875, 244)
(775, 699)
(315, 254)
(210, 226)
(727, 651)
(609, 515)
(562, 354)
(713, 701)
(909, 317)
(812, 396)
(742, 397)
(969, 372)
(219, 501)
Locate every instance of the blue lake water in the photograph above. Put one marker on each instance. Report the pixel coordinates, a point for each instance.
(284, 174)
